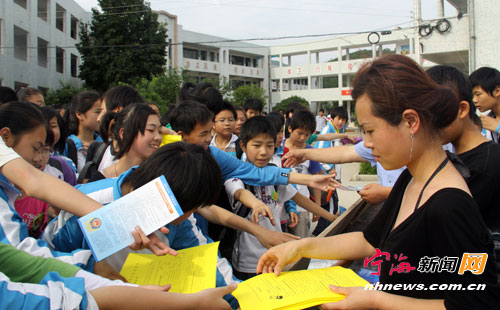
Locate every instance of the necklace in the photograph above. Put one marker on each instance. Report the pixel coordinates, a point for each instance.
(439, 168)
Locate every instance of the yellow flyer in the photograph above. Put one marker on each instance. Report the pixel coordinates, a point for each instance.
(191, 271)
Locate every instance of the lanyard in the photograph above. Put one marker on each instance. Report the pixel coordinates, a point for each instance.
(445, 161)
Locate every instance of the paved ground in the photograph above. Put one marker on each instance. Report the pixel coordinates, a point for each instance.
(348, 177)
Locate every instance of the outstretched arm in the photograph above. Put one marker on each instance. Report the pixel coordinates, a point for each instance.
(332, 155)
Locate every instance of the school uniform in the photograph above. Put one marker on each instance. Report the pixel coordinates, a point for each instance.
(14, 231)
(247, 249)
(65, 233)
(80, 151)
(230, 148)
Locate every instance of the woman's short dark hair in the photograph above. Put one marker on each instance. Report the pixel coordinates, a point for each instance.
(121, 96)
(20, 117)
(133, 119)
(394, 83)
(192, 173)
(81, 103)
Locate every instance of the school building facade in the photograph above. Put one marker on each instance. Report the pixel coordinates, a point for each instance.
(37, 39)
(37, 43)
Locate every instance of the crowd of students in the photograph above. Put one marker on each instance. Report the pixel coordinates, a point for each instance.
(255, 183)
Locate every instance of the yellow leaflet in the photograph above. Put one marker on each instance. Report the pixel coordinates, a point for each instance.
(166, 139)
(191, 271)
(295, 289)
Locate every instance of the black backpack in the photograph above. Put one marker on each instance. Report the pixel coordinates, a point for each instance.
(95, 154)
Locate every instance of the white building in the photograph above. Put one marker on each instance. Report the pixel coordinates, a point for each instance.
(322, 71)
(37, 42)
(206, 56)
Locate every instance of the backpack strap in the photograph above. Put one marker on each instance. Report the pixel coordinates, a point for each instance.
(239, 151)
(56, 164)
(72, 152)
(92, 165)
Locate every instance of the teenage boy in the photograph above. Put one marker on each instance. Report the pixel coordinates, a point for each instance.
(253, 107)
(485, 84)
(188, 169)
(477, 153)
(258, 137)
(301, 127)
(193, 122)
(224, 124)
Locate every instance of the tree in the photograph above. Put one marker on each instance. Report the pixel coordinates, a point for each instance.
(249, 91)
(285, 102)
(63, 95)
(162, 89)
(125, 43)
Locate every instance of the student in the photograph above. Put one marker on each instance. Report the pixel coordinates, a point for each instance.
(258, 137)
(224, 124)
(478, 153)
(241, 117)
(7, 94)
(204, 93)
(28, 281)
(193, 121)
(301, 127)
(137, 128)
(33, 95)
(320, 121)
(117, 98)
(187, 168)
(22, 126)
(485, 84)
(253, 107)
(290, 109)
(82, 126)
(61, 167)
(429, 213)
(34, 212)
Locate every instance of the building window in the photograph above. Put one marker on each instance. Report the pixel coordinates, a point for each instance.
(59, 60)
(74, 27)
(211, 56)
(236, 60)
(22, 3)
(43, 9)
(255, 63)
(19, 85)
(60, 16)
(74, 65)
(203, 55)
(43, 51)
(20, 44)
(190, 53)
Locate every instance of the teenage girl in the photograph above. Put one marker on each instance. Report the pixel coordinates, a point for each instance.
(82, 126)
(137, 131)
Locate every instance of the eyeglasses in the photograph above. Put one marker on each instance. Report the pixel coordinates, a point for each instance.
(43, 151)
(224, 120)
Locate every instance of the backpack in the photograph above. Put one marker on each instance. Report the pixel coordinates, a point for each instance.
(72, 153)
(94, 157)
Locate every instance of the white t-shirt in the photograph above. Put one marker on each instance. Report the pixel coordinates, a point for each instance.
(247, 248)
(6, 153)
(107, 160)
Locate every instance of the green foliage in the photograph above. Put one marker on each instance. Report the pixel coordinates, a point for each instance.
(62, 95)
(124, 43)
(366, 168)
(249, 91)
(285, 102)
(162, 89)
